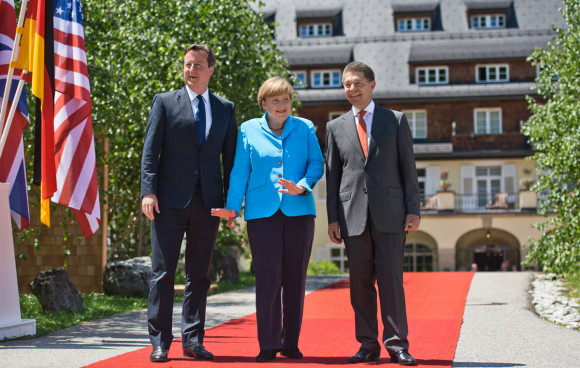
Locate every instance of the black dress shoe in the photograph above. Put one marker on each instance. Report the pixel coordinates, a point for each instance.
(198, 352)
(403, 358)
(266, 355)
(364, 355)
(159, 354)
(292, 353)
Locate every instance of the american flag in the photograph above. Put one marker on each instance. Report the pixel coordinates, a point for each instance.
(12, 168)
(76, 172)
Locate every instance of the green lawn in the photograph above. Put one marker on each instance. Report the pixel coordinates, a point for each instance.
(97, 305)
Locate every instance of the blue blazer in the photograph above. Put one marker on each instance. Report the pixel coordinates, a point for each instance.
(262, 158)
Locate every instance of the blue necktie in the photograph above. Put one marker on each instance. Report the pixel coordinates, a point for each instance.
(200, 120)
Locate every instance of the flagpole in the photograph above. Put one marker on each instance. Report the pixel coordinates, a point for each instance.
(15, 49)
(11, 116)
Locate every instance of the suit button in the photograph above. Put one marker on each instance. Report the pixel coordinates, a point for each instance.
(279, 149)
(365, 190)
(196, 172)
(279, 162)
(279, 175)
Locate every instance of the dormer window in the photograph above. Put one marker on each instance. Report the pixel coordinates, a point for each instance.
(319, 23)
(414, 24)
(492, 73)
(488, 21)
(326, 78)
(432, 75)
(316, 30)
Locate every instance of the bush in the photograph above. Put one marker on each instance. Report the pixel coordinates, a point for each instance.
(323, 268)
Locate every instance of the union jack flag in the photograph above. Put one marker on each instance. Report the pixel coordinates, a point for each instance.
(75, 161)
(12, 168)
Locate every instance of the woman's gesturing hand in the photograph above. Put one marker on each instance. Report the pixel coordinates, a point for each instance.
(291, 188)
(225, 213)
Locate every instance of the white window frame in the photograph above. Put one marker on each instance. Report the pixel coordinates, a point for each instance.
(342, 258)
(331, 74)
(414, 24)
(295, 73)
(476, 21)
(437, 70)
(488, 112)
(315, 30)
(488, 69)
(412, 119)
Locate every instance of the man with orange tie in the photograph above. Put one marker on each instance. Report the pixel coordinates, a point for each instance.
(372, 200)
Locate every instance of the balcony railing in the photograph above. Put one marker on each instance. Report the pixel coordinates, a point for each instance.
(481, 202)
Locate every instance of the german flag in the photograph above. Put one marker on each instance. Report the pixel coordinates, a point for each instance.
(37, 57)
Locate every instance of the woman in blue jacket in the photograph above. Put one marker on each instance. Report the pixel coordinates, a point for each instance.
(278, 162)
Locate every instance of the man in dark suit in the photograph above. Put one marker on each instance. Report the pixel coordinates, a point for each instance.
(189, 131)
(372, 200)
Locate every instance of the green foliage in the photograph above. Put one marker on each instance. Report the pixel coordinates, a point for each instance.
(323, 268)
(95, 306)
(553, 130)
(135, 50)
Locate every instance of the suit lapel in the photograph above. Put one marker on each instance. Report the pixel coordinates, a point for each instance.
(217, 118)
(185, 106)
(349, 127)
(379, 123)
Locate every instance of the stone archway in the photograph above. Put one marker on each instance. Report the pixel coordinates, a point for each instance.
(489, 249)
(421, 252)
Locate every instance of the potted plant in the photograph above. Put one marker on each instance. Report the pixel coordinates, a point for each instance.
(527, 181)
(444, 182)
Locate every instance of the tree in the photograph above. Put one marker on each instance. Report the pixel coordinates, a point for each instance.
(553, 130)
(135, 50)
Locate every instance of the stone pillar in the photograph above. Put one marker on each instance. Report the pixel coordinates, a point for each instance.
(528, 200)
(446, 201)
(11, 325)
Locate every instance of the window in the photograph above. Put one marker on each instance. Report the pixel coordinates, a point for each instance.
(417, 122)
(488, 181)
(487, 121)
(301, 79)
(419, 257)
(316, 30)
(325, 78)
(338, 257)
(491, 73)
(432, 75)
(335, 114)
(488, 21)
(414, 24)
(422, 177)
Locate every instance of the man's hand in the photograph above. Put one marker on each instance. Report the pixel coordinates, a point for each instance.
(334, 232)
(148, 204)
(412, 222)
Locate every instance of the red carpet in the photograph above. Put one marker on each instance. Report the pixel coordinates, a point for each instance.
(435, 304)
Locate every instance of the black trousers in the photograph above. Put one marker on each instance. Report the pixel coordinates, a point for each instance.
(167, 230)
(281, 248)
(378, 256)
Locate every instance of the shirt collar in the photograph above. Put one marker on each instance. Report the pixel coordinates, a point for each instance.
(369, 109)
(193, 95)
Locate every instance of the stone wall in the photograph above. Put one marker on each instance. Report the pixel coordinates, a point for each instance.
(84, 264)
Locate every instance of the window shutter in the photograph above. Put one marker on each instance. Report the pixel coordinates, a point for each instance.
(432, 180)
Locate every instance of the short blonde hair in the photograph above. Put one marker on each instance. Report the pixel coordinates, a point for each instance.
(274, 86)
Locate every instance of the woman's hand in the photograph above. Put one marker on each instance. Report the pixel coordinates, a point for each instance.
(291, 188)
(225, 213)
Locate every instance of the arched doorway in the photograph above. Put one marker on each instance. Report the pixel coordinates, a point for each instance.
(420, 253)
(488, 250)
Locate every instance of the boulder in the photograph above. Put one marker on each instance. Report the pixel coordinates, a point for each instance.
(55, 292)
(224, 267)
(129, 278)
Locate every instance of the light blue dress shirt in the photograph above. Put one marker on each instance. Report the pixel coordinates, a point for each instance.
(262, 158)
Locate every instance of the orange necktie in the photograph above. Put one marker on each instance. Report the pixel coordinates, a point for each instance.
(362, 132)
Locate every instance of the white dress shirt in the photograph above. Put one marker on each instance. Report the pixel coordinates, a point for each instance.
(194, 102)
(370, 109)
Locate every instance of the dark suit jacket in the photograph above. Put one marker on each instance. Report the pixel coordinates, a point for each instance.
(173, 161)
(385, 183)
